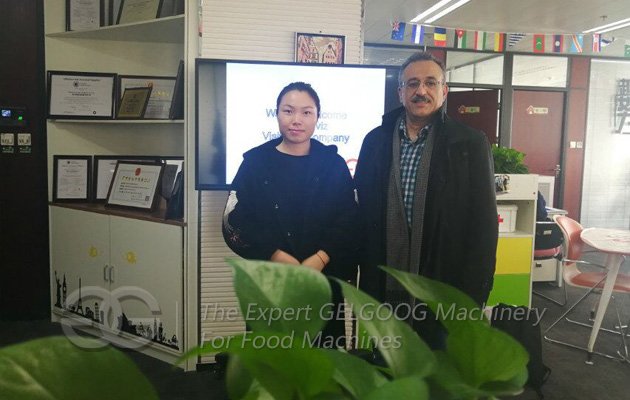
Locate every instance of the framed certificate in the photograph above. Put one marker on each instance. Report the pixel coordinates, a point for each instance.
(81, 95)
(135, 185)
(71, 178)
(138, 10)
(84, 14)
(319, 49)
(133, 103)
(104, 167)
(159, 104)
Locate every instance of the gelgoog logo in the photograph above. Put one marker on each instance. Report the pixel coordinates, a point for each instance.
(109, 304)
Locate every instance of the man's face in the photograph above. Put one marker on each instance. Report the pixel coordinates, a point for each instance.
(423, 89)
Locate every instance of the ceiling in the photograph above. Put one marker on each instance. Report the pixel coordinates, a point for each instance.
(526, 16)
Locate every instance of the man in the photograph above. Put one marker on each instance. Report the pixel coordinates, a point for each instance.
(425, 186)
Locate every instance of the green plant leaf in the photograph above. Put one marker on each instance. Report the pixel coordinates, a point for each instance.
(402, 349)
(358, 377)
(480, 353)
(238, 379)
(484, 354)
(54, 368)
(280, 298)
(448, 303)
(412, 387)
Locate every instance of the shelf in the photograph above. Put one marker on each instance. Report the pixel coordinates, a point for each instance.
(99, 208)
(118, 121)
(165, 30)
(515, 234)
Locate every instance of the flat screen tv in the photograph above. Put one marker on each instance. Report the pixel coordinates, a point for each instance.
(236, 109)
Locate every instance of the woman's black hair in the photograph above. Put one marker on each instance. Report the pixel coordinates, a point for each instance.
(300, 87)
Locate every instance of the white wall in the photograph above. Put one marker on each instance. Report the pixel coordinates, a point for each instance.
(255, 30)
(606, 187)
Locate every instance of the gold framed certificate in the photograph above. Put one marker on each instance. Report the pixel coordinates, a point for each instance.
(138, 10)
(133, 103)
(135, 185)
(159, 104)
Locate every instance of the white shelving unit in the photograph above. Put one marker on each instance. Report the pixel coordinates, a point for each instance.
(89, 241)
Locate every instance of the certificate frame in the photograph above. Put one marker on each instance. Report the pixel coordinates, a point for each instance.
(84, 14)
(103, 168)
(135, 185)
(133, 103)
(81, 95)
(71, 178)
(138, 10)
(163, 88)
(316, 48)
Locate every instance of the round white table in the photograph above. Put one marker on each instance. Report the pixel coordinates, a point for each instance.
(615, 243)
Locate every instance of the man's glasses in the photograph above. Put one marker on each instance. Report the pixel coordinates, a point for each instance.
(414, 84)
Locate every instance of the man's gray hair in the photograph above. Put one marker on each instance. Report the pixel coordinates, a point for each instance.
(420, 56)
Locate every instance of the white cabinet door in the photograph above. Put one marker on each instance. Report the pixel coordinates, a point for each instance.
(148, 278)
(79, 254)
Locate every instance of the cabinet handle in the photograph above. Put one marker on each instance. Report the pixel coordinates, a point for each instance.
(105, 272)
(111, 274)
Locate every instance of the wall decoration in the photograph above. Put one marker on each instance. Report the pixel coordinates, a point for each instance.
(319, 49)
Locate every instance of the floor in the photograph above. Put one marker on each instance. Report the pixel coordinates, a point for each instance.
(571, 377)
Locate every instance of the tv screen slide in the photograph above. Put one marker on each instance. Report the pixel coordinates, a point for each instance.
(236, 109)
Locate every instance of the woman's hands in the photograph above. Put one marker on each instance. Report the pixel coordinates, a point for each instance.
(317, 261)
(284, 257)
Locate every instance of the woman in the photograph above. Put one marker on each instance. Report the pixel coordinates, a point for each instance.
(292, 200)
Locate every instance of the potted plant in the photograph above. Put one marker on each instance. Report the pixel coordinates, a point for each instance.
(277, 358)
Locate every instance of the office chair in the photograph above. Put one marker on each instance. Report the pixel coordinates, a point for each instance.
(548, 246)
(591, 280)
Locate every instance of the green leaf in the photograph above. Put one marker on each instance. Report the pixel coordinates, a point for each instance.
(54, 368)
(484, 354)
(238, 379)
(403, 350)
(449, 304)
(281, 298)
(412, 387)
(358, 377)
(281, 371)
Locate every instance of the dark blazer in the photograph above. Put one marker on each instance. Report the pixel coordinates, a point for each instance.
(460, 222)
(254, 224)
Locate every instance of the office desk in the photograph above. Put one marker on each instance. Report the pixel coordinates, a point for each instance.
(615, 243)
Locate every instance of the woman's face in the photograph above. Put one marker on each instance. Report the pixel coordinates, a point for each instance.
(297, 116)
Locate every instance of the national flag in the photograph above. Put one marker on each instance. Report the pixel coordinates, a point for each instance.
(398, 30)
(577, 43)
(499, 39)
(604, 41)
(626, 51)
(480, 40)
(597, 42)
(460, 38)
(439, 37)
(417, 34)
(514, 38)
(558, 43)
(539, 43)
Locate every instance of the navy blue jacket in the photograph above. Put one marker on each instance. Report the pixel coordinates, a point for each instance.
(254, 225)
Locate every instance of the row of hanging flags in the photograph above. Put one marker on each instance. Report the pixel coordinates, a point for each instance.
(495, 41)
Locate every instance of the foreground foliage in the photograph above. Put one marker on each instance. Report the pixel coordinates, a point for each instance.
(276, 358)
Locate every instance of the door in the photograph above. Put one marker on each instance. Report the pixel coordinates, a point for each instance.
(475, 108)
(79, 251)
(147, 260)
(537, 132)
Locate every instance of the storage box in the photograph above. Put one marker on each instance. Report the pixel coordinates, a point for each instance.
(507, 217)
